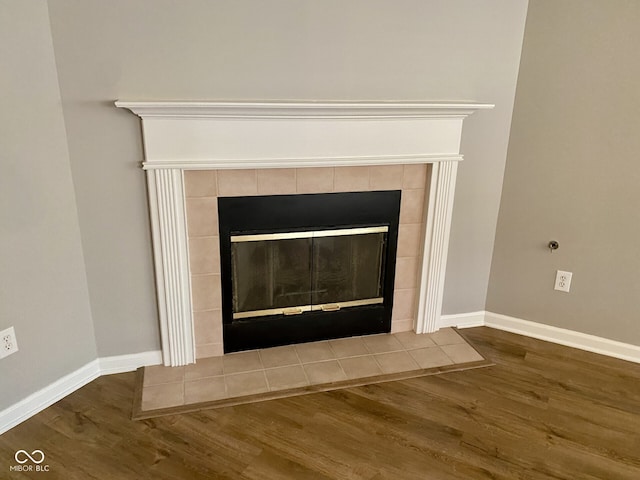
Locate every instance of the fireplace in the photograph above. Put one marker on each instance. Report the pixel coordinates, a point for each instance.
(299, 268)
(315, 144)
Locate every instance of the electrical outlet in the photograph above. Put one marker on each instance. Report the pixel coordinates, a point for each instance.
(563, 281)
(8, 342)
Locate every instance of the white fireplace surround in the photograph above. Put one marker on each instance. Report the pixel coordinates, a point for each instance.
(181, 136)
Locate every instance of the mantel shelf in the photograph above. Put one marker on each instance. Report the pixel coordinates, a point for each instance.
(302, 110)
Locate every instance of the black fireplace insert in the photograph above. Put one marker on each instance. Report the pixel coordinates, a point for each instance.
(301, 268)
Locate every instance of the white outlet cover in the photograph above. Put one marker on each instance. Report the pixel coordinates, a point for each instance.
(563, 281)
(8, 342)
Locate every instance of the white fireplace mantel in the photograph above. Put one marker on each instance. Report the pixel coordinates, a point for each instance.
(182, 136)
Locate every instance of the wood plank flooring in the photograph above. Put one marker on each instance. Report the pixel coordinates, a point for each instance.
(542, 412)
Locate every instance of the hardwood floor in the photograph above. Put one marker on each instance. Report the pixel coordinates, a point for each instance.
(543, 411)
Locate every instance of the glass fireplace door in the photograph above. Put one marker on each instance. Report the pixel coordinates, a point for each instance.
(270, 276)
(296, 272)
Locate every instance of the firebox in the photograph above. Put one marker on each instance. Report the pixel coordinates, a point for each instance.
(300, 268)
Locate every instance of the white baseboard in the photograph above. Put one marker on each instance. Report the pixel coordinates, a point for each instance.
(128, 363)
(47, 396)
(561, 336)
(569, 338)
(463, 320)
(38, 401)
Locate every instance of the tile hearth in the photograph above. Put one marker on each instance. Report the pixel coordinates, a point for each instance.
(297, 369)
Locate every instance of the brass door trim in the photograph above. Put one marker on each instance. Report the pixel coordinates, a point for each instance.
(297, 310)
(261, 237)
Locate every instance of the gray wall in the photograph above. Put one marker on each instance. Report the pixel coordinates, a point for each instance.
(283, 49)
(573, 172)
(43, 287)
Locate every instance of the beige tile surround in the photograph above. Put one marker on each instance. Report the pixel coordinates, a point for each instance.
(303, 365)
(203, 187)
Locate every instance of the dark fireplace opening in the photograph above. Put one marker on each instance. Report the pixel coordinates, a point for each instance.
(300, 268)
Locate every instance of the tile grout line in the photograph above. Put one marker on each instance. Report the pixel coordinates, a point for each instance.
(445, 354)
(264, 370)
(377, 363)
(373, 355)
(224, 373)
(335, 357)
(159, 383)
(304, 372)
(408, 352)
(264, 374)
(226, 388)
(295, 180)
